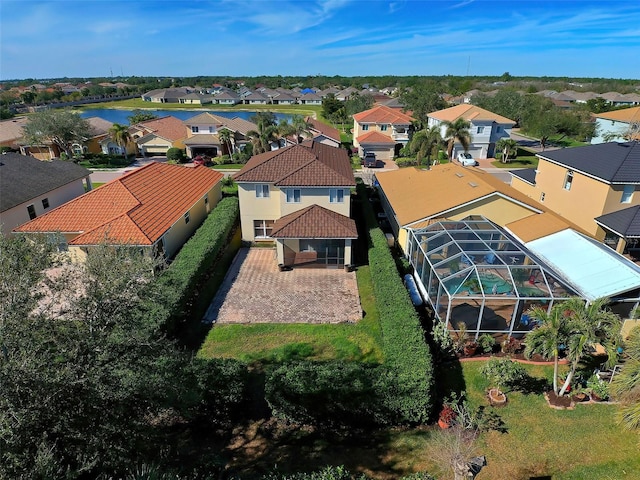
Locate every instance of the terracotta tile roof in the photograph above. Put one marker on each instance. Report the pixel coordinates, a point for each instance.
(374, 137)
(625, 115)
(314, 222)
(308, 164)
(167, 127)
(383, 114)
(470, 113)
(137, 208)
(326, 130)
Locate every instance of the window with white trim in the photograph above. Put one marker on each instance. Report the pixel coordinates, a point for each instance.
(480, 130)
(568, 180)
(365, 128)
(293, 195)
(336, 195)
(262, 228)
(627, 193)
(212, 129)
(194, 129)
(383, 128)
(262, 190)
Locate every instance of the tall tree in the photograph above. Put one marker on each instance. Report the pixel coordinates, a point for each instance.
(457, 131)
(62, 128)
(421, 100)
(358, 103)
(267, 132)
(508, 147)
(227, 138)
(425, 143)
(625, 386)
(120, 134)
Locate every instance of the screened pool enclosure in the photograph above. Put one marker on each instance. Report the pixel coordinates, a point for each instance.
(470, 271)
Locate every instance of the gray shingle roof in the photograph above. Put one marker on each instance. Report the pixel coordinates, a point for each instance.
(611, 162)
(23, 178)
(526, 174)
(625, 222)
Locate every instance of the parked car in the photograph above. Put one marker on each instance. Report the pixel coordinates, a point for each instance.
(466, 159)
(370, 159)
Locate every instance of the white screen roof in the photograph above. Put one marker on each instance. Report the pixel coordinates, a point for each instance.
(594, 269)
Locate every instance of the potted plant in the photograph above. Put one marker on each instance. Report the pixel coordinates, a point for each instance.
(486, 343)
(511, 345)
(501, 373)
(447, 416)
(460, 338)
(470, 348)
(599, 389)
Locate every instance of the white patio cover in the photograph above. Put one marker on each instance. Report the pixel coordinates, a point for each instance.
(592, 268)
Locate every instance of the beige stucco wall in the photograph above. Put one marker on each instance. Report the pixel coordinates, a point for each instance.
(526, 188)
(276, 206)
(372, 127)
(18, 215)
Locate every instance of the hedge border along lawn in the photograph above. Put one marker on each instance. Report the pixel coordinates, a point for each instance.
(407, 353)
(178, 283)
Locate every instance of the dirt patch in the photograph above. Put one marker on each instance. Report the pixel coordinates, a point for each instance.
(560, 403)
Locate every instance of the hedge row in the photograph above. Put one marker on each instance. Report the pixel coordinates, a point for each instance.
(177, 284)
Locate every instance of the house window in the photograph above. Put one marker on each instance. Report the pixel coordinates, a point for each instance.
(336, 195)
(206, 200)
(293, 195)
(212, 129)
(262, 228)
(365, 128)
(498, 129)
(32, 212)
(568, 180)
(187, 218)
(627, 193)
(383, 128)
(262, 190)
(542, 197)
(479, 129)
(45, 203)
(194, 129)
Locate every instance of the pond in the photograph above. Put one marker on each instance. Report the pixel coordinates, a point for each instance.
(120, 116)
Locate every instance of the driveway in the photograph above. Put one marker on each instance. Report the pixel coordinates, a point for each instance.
(256, 291)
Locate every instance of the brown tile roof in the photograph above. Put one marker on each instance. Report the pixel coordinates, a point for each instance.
(324, 129)
(625, 115)
(383, 114)
(205, 118)
(99, 125)
(314, 222)
(537, 226)
(167, 127)
(374, 137)
(11, 130)
(137, 208)
(470, 113)
(308, 164)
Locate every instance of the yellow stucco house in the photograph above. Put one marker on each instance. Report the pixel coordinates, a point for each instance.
(299, 198)
(381, 130)
(156, 208)
(592, 186)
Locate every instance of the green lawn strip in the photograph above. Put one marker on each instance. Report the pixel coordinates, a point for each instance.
(540, 438)
(520, 162)
(97, 184)
(279, 342)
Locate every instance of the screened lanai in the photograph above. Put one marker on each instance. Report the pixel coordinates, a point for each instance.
(470, 271)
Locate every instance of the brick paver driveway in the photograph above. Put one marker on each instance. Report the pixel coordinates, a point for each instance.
(255, 291)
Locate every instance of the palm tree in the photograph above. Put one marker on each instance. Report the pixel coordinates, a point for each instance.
(457, 131)
(509, 147)
(424, 143)
(120, 134)
(226, 137)
(579, 326)
(267, 131)
(299, 125)
(626, 384)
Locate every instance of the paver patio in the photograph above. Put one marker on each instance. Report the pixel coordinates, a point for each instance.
(255, 291)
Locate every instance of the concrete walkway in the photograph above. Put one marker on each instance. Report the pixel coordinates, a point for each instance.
(256, 291)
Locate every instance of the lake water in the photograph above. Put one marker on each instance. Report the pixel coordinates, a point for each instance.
(120, 116)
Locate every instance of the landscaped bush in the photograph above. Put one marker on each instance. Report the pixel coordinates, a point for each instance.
(178, 283)
(176, 155)
(406, 161)
(101, 160)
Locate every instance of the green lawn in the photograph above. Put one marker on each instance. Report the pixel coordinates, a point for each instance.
(561, 444)
(278, 342)
(228, 166)
(525, 159)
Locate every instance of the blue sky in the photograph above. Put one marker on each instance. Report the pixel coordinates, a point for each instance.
(45, 39)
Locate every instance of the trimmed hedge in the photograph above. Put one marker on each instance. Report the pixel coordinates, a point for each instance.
(178, 283)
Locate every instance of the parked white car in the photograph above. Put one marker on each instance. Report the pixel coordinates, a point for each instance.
(466, 159)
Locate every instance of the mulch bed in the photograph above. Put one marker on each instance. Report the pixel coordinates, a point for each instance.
(561, 403)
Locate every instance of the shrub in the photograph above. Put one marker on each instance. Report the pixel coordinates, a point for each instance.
(176, 155)
(406, 161)
(486, 342)
(503, 372)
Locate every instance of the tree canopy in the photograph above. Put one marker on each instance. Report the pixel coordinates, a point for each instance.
(421, 100)
(62, 128)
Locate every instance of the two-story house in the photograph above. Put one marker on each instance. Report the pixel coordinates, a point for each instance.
(486, 128)
(592, 186)
(203, 134)
(381, 130)
(299, 198)
(619, 125)
(157, 136)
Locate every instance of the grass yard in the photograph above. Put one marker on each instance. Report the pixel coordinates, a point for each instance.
(541, 442)
(524, 159)
(281, 342)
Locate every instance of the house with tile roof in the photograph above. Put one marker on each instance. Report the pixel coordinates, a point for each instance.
(486, 128)
(202, 134)
(155, 208)
(155, 137)
(11, 132)
(30, 187)
(414, 198)
(382, 130)
(617, 126)
(299, 198)
(592, 186)
(323, 133)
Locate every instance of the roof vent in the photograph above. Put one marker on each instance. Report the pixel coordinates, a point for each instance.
(473, 184)
(458, 174)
